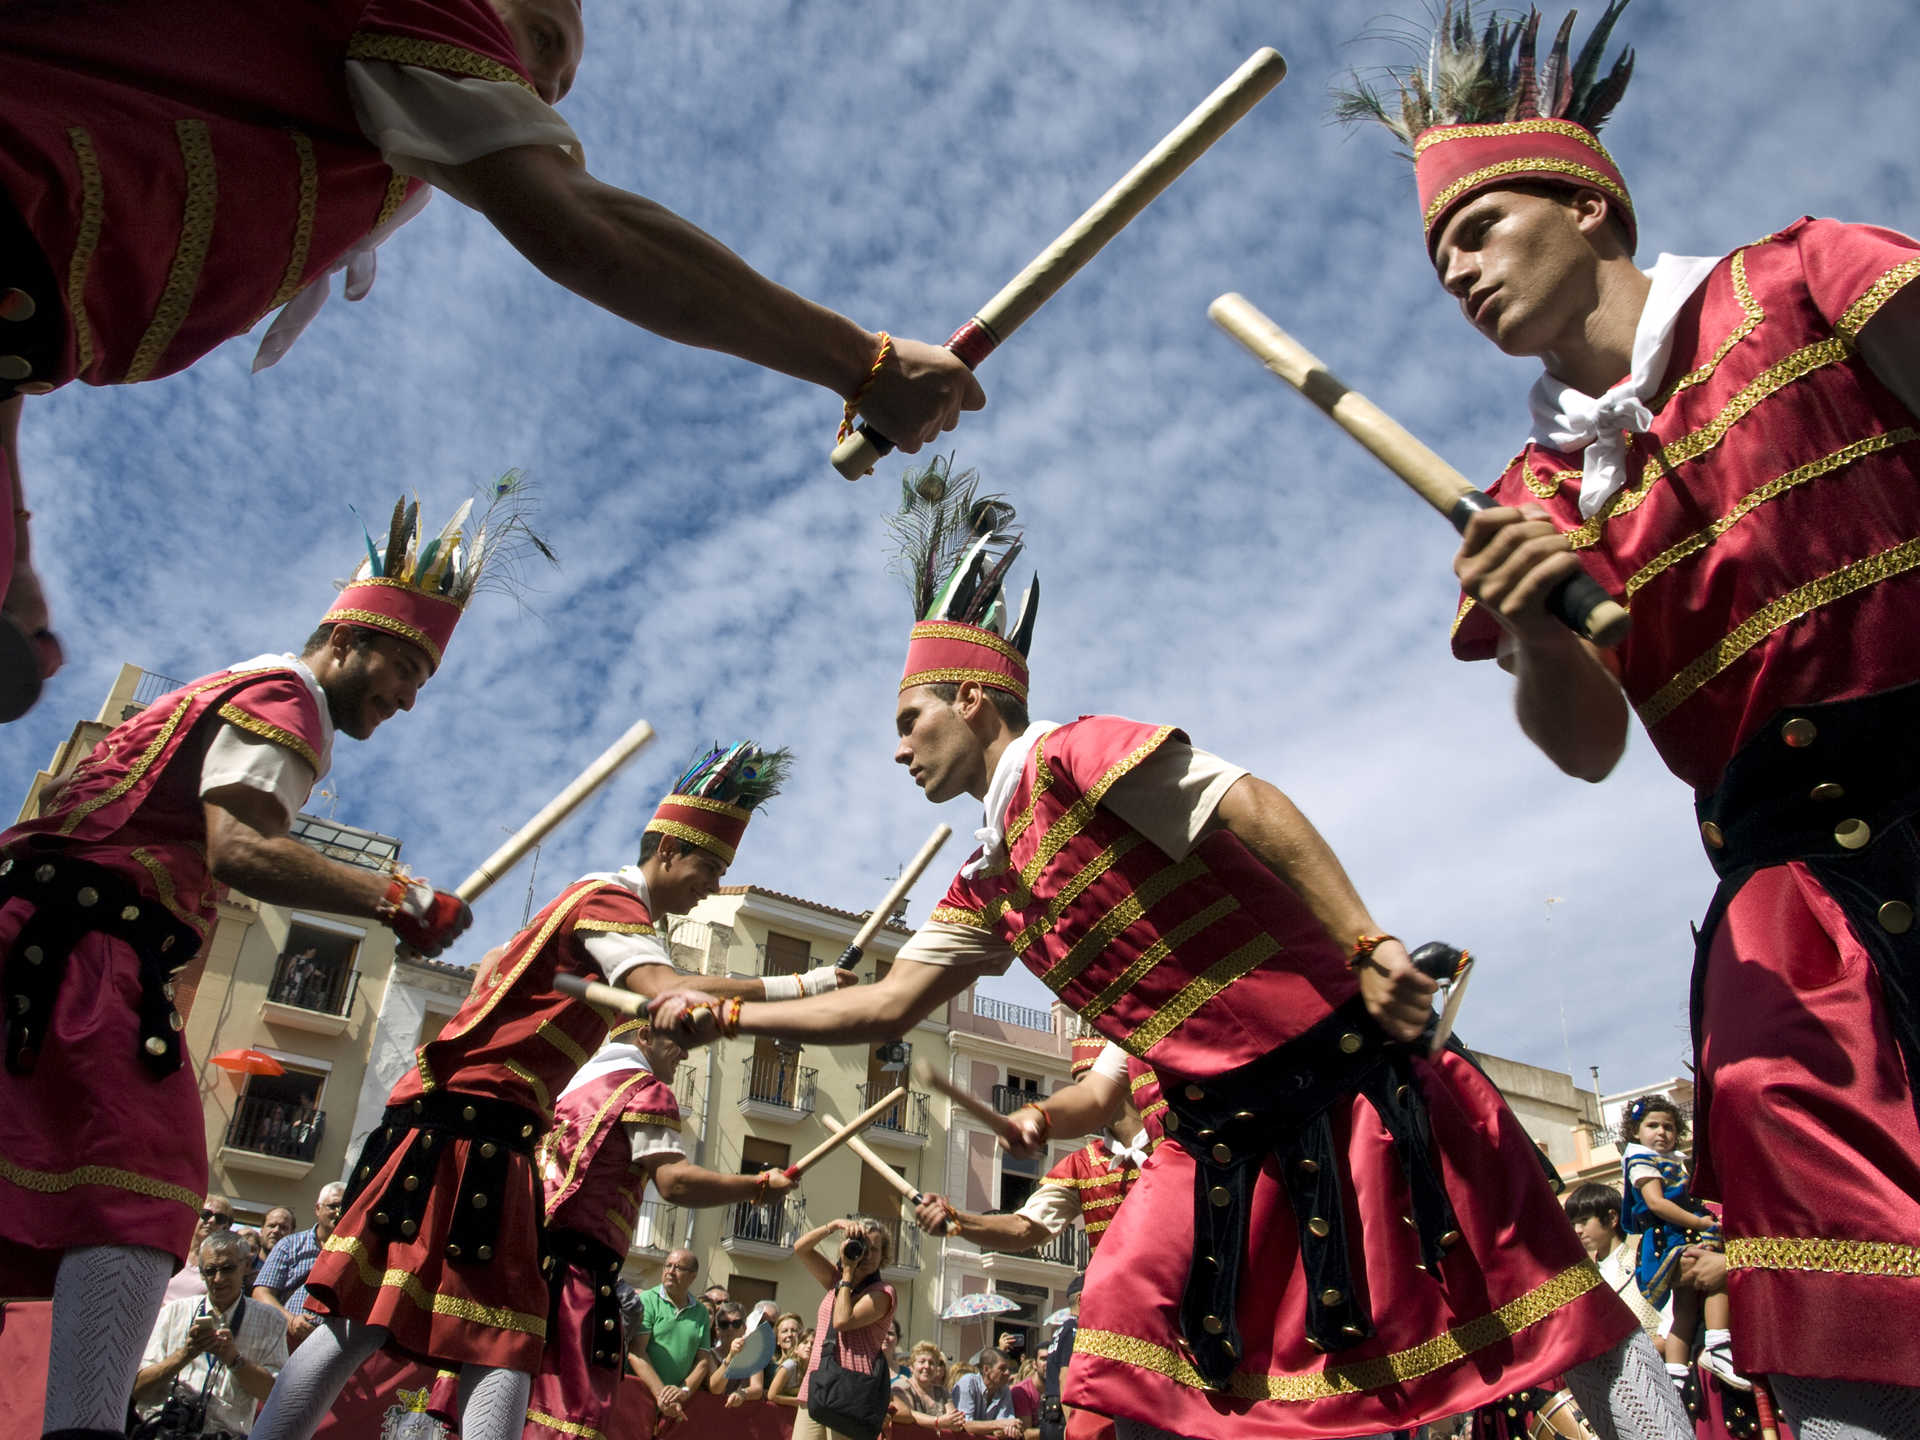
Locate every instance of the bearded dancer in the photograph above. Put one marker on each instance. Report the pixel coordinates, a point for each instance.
(173, 170)
(439, 1251)
(111, 891)
(1730, 446)
(1268, 1281)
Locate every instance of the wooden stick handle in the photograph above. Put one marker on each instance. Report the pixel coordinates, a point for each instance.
(845, 1133)
(605, 996)
(1041, 280)
(925, 1074)
(895, 894)
(554, 811)
(881, 1168)
(1579, 601)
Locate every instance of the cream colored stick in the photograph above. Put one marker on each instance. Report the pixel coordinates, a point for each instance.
(844, 1133)
(881, 1168)
(607, 997)
(1579, 601)
(554, 811)
(850, 957)
(1083, 239)
(925, 1074)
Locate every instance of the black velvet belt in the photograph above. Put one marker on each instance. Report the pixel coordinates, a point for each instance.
(418, 1128)
(72, 899)
(601, 1263)
(1836, 786)
(1280, 1105)
(33, 317)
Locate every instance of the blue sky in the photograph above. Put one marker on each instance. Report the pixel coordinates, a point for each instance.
(1213, 553)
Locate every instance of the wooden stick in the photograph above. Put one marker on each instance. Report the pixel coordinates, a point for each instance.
(607, 997)
(845, 1133)
(1002, 1127)
(554, 811)
(881, 1168)
(850, 956)
(1083, 239)
(1578, 601)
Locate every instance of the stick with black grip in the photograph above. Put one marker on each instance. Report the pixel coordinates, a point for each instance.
(1578, 601)
(850, 956)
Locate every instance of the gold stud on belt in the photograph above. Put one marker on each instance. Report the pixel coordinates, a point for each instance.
(1713, 835)
(1799, 732)
(1350, 1043)
(485, 1252)
(1896, 917)
(15, 367)
(16, 305)
(1826, 790)
(1331, 1297)
(1852, 834)
(1319, 1227)
(1214, 1325)
(467, 1112)
(1221, 1155)
(1220, 1196)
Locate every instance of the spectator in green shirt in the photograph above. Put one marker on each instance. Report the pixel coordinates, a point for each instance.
(668, 1336)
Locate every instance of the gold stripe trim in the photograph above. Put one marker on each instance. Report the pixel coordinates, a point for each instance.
(395, 197)
(196, 234)
(692, 837)
(701, 802)
(563, 1427)
(1848, 580)
(953, 915)
(1855, 319)
(1074, 888)
(971, 634)
(501, 985)
(1828, 1256)
(302, 223)
(613, 927)
(1125, 912)
(85, 241)
(267, 730)
(58, 1182)
(1545, 125)
(377, 621)
(993, 679)
(615, 1100)
(1199, 990)
(431, 55)
(1142, 1080)
(560, 1040)
(541, 1095)
(1757, 497)
(1751, 316)
(139, 768)
(1075, 817)
(1151, 957)
(1536, 165)
(1042, 782)
(1360, 1376)
(163, 887)
(499, 1317)
(1094, 1227)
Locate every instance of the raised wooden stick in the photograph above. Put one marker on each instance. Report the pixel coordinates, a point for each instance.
(1082, 240)
(881, 1168)
(1578, 601)
(850, 956)
(1002, 1127)
(844, 1133)
(554, 811)
(607, 997)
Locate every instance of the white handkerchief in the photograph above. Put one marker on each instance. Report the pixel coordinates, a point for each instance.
(1006, 775)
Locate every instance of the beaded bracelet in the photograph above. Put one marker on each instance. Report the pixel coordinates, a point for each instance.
(853, 404)
(728, 1017)
(1363, 949)
(1046, 1120)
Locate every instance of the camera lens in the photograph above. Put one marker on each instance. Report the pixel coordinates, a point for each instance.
(853, 1247)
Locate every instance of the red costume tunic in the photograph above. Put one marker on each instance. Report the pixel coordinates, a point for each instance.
(1097, 1182)
(516, 1041)
(187, 165)
(1202, 965)
(97, 1146)
(1768, 546)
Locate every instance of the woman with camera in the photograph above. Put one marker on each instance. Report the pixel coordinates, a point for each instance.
(844, 1393)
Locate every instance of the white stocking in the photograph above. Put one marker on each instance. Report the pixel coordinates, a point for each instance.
(1627, 1396)
(313, 1378)
(105, 1300)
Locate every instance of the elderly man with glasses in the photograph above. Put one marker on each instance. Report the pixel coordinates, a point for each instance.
(216, 1213)
(282, 1282)
(214, 1349)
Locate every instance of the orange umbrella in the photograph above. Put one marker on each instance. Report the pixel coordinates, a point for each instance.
(248, 1062)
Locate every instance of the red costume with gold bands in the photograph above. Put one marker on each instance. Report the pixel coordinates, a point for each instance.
(185, 167)
(1098, 1182)
(102, 1140)
(1209, 965)
(1767, 543)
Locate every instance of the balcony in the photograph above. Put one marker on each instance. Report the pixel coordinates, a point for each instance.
(903, 1123)
(309, 994)
(1068, 1248)
(346, 843)
(906, 1251)
(1026, 1017)
(662, 1227)
(777, 1087)
(1009, 1098)
(766, 1229)
(273, 1137)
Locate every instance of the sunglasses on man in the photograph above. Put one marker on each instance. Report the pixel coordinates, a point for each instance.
(221, 1216)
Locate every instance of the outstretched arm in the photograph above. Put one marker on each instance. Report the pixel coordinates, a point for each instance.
(858, 1015)
(1015, 1232)
(681, 1183)
(653, 268)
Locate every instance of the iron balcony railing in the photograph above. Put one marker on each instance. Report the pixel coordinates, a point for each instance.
(777, 1221)
(660, 1227)
(1024, 1016)
(906, 1116)
(317, 985)
(779, 1079)
(284, 1128)
(1069, 1247)
(1009, 1098)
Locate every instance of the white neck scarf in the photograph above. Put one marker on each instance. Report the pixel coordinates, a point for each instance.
(1006, 776)
(1566, 419)
(1128, 1156)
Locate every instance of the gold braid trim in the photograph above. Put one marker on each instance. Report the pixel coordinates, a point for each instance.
(1042, 782)
(1155, 953)
(971, 634)
(431, 55)
(953, 915)
(1751, 314)
(1075, 818)
(1847, 580)
(692, 837)
(1095, 939)
(1142, 1080)
(701, 802)
(196, 234)
(1074, 888)
(1759, 496)
(563, 1427)
(395, 197)
(163, 887)
(992, 679)
(1867, 306)
(137, 771)
(1545, 125)
(541, 1095)
(85, 241)
(58, 1182)
(302, 223)
(374, 620)
(1834, 1257)
(612, 927)
(560, 1040)
(267, 730)
(610, 1106)
(1198, 991)
(1535, 165)
(1359, 1376)
(497, 1317)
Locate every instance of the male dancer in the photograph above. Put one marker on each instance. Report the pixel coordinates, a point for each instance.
(170, 172)
(439, 1253)
(110, 891)
(1732, 447)
(1349, 1235)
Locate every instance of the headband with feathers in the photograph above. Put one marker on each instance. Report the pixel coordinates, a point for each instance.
(716, 795)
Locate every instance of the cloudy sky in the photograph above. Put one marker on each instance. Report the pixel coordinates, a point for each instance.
(1214, 553)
